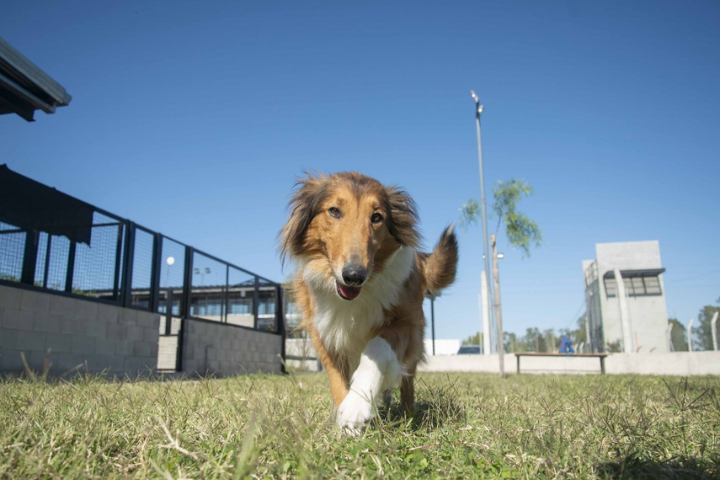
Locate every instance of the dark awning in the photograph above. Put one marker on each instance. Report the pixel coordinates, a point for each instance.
(25, 88)
(642, 272)
(28, 204)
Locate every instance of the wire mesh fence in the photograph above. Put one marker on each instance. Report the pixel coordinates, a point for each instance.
(130, 265)
(96, 265)
(12, 246)
(56, 243)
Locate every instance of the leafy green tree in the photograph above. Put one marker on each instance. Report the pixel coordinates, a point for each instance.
(678, 337)
(511, 342)
(532, 339)
(704, 340)
(473, 339)
(521, 231)
(549, 337)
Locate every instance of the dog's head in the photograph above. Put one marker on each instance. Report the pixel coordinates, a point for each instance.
(346, 226)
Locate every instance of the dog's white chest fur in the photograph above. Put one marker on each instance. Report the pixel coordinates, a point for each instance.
(344, 325)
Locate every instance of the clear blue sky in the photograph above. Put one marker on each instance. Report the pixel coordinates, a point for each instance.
(195, 119)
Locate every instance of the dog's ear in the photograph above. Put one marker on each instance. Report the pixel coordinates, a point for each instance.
(403, 217)
(304, 205)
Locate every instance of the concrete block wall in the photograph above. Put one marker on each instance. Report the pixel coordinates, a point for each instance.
(75, 331)
(300, 355)
(677, 363)
(222, 349)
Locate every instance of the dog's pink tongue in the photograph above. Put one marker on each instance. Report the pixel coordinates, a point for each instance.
(348, 292)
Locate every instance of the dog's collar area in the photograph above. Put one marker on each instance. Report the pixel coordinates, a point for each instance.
(347, 292)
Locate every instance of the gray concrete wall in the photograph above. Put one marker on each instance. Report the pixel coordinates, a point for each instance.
(222, 349)
(678, 363)
(301, 355)
(75, 331)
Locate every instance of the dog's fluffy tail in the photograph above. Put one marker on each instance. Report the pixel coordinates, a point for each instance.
(441, 264)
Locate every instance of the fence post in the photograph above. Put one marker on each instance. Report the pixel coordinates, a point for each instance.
(70, 270)
(124, 263)
(29, 257)
(157, 262)
(48, 250)
(121, 234)
(280, 322)
(185, 307)
(256, 301)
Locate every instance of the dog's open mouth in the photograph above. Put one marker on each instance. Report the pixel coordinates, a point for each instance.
(347, 292)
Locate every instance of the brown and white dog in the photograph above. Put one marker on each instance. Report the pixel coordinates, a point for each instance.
(360, 282)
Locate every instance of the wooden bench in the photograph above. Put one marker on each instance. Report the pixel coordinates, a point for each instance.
(601, 356)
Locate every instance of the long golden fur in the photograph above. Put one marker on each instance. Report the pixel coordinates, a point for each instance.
(360, 283)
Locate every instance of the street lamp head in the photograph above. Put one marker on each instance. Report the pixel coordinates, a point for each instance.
(501, 256)
(475, 97)
(170, 261)
(480, 109)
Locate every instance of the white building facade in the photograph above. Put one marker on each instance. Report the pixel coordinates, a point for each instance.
(625, 298)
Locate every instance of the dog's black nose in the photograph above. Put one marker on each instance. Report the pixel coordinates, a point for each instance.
(354, 275)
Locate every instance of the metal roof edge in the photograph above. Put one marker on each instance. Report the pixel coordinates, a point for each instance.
(32, 72)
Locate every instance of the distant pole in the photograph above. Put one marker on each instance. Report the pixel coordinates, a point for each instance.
(478, 112)
(671, 347)
(713, 323)
(169, 300)
(432, 320)
(689, 334)
(485, 309)
(498, 310)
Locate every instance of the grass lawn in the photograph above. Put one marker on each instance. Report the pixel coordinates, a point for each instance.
(466, 426)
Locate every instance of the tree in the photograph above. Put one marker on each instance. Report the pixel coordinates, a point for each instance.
(511, 342)
(704, 329)
(532, 339)
(549, 336)
(520, 230)
(678, 339)
(473, 339)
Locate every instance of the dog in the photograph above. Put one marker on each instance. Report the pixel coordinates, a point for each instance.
(360, 282)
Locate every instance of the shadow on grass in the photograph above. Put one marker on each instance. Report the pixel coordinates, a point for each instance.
(632, 467)
(435, 406)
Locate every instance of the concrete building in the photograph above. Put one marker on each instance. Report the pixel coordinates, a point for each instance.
(625, 298)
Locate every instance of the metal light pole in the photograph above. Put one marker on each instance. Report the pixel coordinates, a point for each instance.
(498, 310)
(713, 324)
(478, 112)
(689, 334)
(169, 297)
(432, 320)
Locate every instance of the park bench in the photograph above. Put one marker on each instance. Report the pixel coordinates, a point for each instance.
(601, 356)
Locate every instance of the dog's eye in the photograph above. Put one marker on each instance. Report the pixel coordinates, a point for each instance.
(376, 218)
(334, 212)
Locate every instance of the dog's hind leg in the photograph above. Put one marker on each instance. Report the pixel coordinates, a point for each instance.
(407, 392)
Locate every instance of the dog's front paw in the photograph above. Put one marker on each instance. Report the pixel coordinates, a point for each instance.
(354, 412)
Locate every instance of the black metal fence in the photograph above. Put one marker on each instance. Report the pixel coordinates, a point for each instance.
(131, 266)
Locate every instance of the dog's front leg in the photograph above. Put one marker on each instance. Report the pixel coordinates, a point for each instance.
(379, 369)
